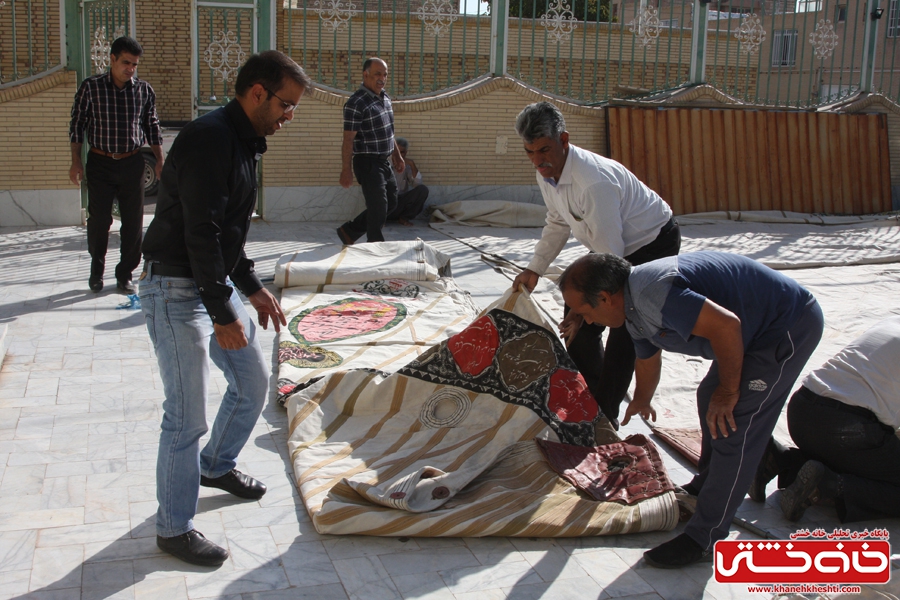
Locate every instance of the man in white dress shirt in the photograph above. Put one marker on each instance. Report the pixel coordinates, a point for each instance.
(607, 209)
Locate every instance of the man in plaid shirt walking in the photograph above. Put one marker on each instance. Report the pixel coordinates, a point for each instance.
(369, 141)
(117, 113)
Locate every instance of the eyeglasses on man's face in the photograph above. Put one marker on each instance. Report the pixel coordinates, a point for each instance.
(287, 106)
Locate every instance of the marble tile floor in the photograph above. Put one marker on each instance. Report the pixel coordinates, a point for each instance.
(79, 417)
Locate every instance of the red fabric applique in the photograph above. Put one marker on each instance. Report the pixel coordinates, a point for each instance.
(570, 398)
(474, 347)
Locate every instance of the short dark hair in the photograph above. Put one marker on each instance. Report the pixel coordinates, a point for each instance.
(269, 69)
(595, 273)
(370, 60)
(540, 120)
(401, 142)
(126, 44)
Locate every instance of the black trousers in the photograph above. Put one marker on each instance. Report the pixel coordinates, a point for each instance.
(409, 204)
(109, 179)
(851, 441)
(373, 172)
(608, 372)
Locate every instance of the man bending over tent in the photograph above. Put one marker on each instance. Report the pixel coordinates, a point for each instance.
(607, 209)
(758, 327)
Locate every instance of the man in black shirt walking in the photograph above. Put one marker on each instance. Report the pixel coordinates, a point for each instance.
(118, 112)
(194, 251)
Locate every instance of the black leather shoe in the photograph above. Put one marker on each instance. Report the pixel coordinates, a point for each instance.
(236, 483)
(344, 236)
(125, 285)
(96, 284)
(676, 553)
(192, 547)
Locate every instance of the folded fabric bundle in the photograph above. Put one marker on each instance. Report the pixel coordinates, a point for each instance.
(491, 213)
(626, 471)
(444, 446)
(334, 264)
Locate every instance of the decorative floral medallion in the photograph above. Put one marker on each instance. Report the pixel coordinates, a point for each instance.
(307, 357)
(345, 319)
(750, 34)
(438, 16)
(646, 26)
(224, 55)
(559, 22)
(824, 40)
(335, 14)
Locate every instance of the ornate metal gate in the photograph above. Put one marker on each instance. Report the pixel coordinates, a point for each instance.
(102, 22)
(224, 35)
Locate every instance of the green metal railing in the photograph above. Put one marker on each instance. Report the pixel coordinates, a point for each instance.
(593, 57)
(811, 55)
(784, 53)
(427, 46)
(29, 38)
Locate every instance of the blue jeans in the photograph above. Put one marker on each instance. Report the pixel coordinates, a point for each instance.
(182, 335)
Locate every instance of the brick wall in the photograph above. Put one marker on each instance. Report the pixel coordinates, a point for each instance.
(33, 54)
(464, 138)
(456, 139)
(164, 30)
(34, 133)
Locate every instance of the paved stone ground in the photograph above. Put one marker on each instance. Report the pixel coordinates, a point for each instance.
(80, 404)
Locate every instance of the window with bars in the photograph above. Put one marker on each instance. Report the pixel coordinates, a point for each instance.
(840, 13)
(808, 6)
(893, 24)
(784, 47)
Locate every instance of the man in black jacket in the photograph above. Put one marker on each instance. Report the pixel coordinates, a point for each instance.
(194, 252)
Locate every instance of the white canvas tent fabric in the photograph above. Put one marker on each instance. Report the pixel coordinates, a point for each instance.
(375, 306)
(333, 264)
(776, 239)
(490, 213)
(850, 264)
(422, 453)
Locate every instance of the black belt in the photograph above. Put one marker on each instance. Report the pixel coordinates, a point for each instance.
(115, 155)
(153, 267)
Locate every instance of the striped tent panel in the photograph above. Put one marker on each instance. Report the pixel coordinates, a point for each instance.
(400, 455)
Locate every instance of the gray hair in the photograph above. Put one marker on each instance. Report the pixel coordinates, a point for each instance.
(595, 273)
(540, 120)
(368, 62)
(401, 142)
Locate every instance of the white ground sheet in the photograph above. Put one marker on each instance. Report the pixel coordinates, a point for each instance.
(375, 306)
(851, 265)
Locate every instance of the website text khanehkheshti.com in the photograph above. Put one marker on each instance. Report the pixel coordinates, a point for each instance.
(804, 588)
